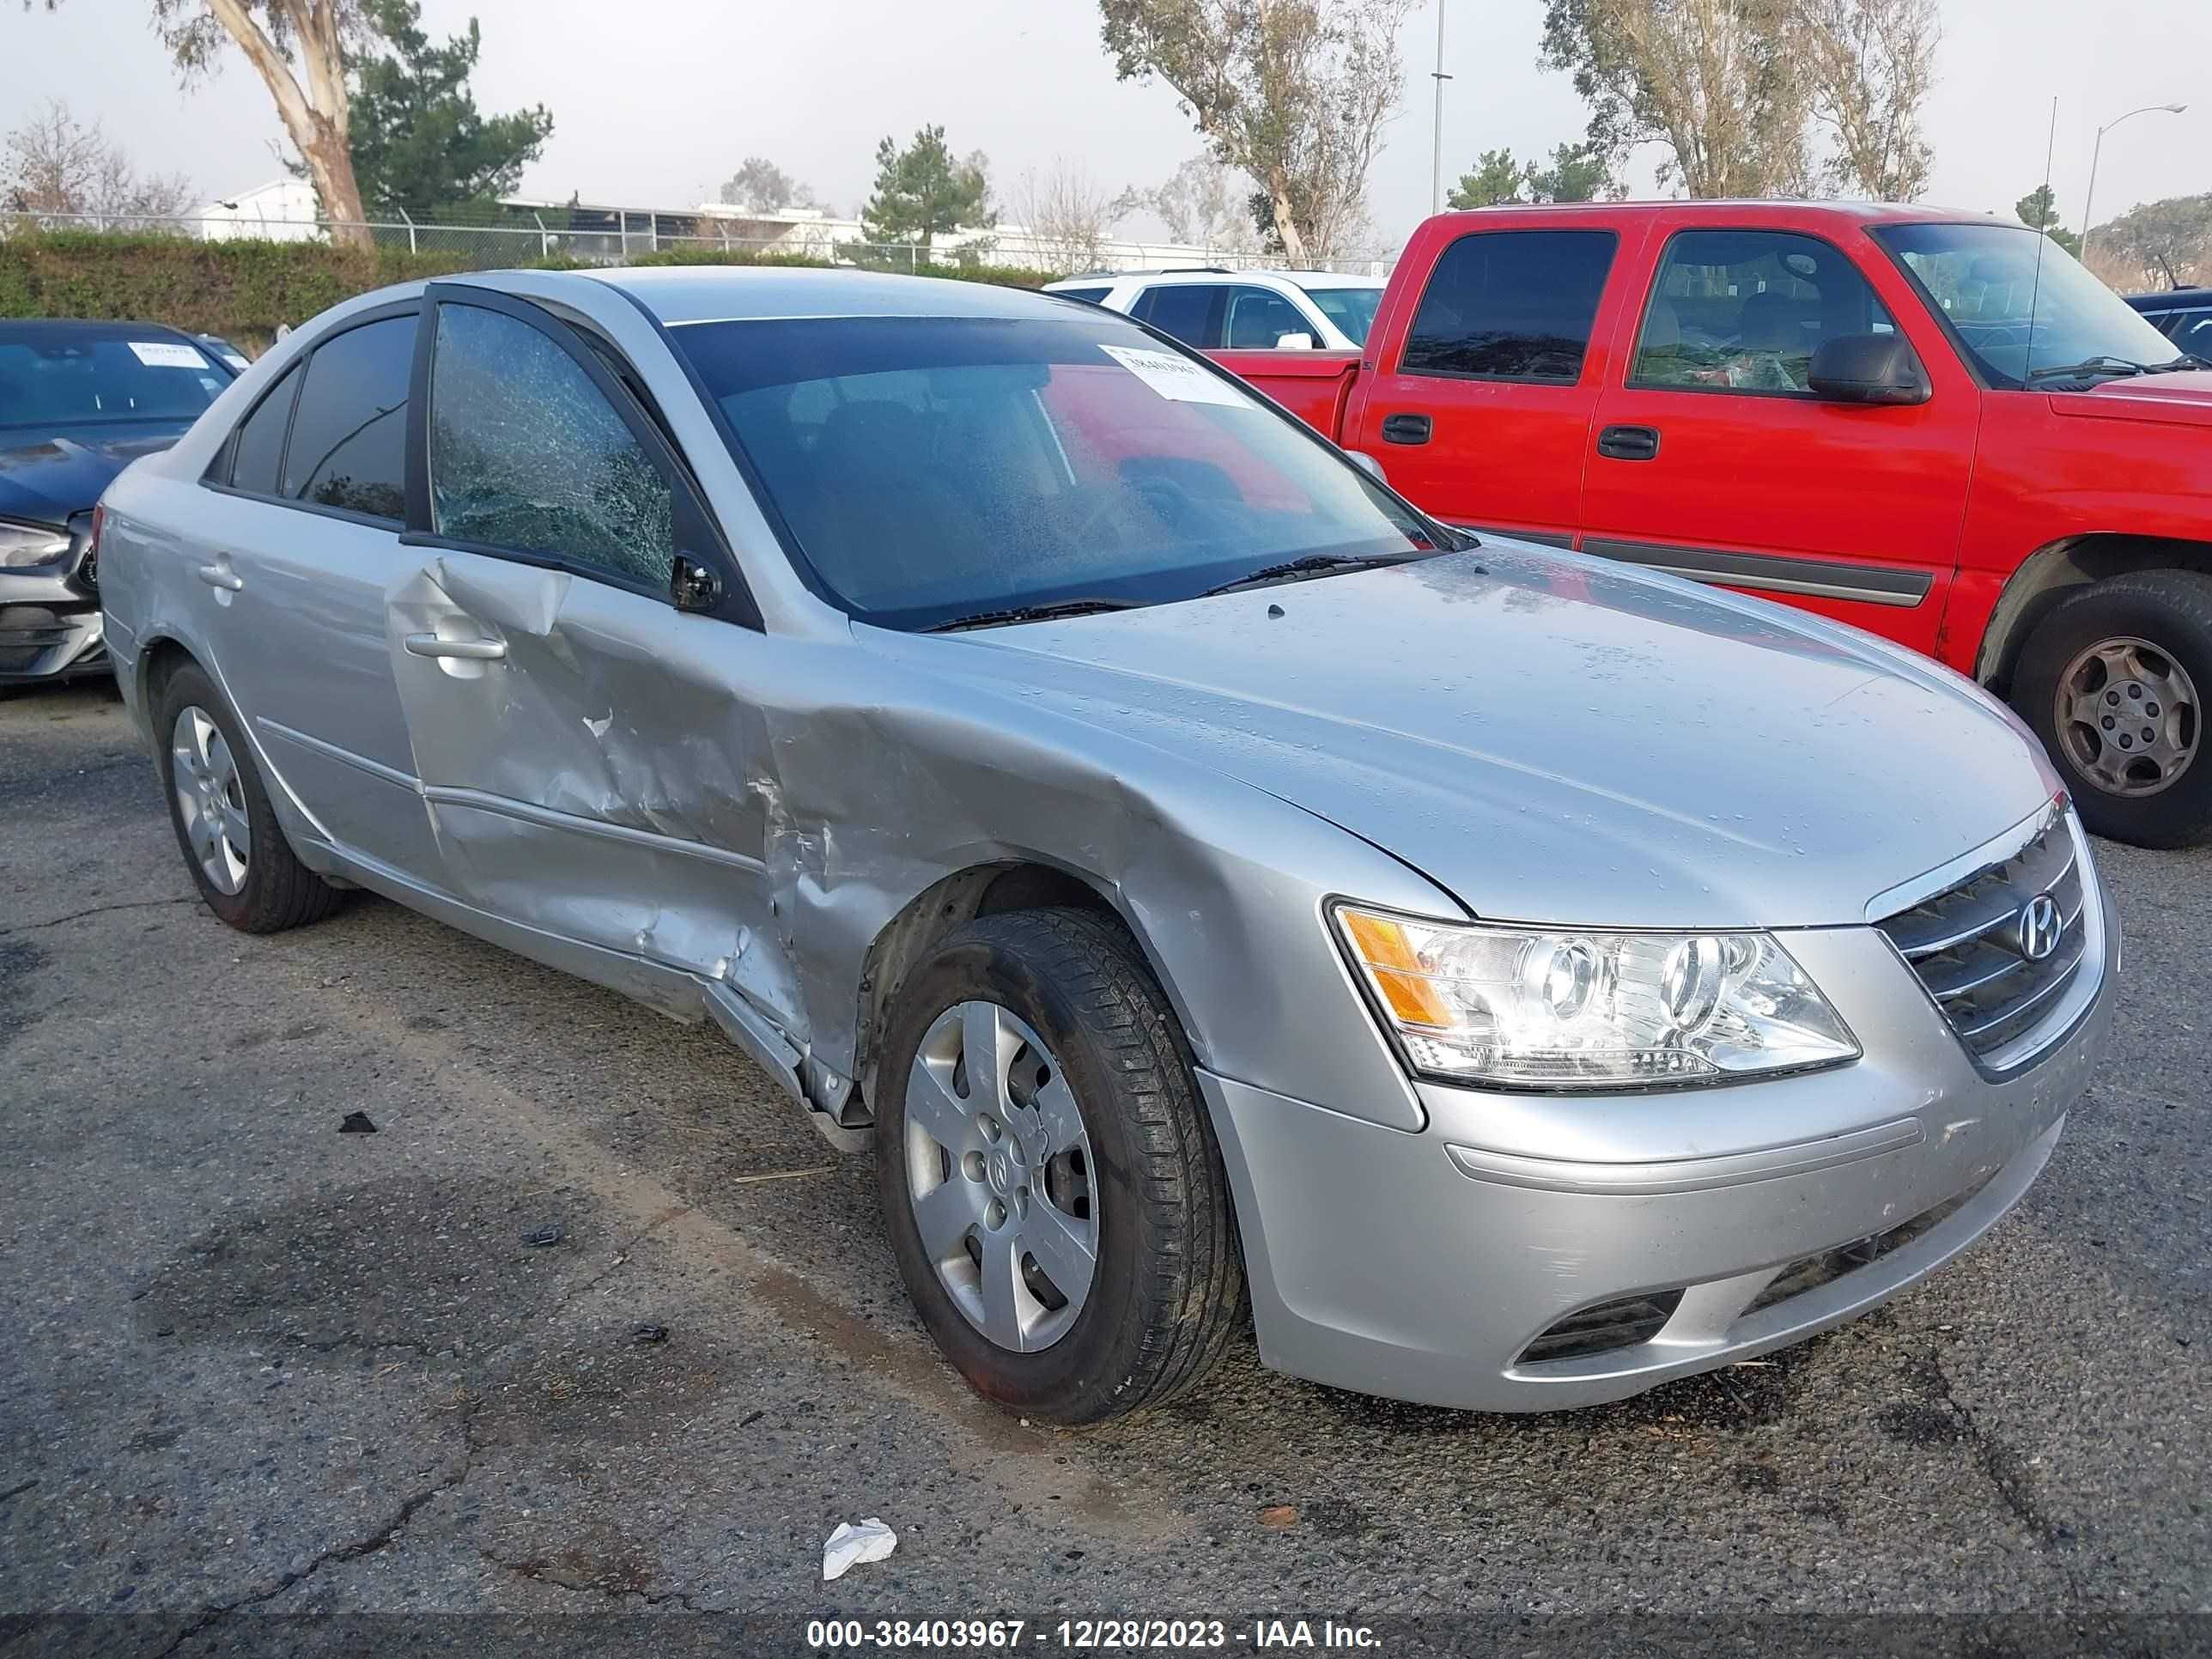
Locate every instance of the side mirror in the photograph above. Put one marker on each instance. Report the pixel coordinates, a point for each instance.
(1299, 342)
(693, 586)
(1367, 463)
(1868, 368)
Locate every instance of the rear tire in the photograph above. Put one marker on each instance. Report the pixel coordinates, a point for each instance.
(1089, 1035)
(233, 845)
(2114, 680)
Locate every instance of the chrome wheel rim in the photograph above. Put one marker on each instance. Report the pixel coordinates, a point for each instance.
(2128, 716)
(210, 800)
(1001, 1177)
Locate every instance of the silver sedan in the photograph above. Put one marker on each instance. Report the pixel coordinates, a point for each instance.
(1203, 878)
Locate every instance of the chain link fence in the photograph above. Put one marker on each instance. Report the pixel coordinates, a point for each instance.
(613, 237)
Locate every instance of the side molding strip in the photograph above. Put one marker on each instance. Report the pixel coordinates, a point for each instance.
(1826, 579)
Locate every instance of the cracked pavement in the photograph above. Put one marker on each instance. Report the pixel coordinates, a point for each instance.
(257, 1368)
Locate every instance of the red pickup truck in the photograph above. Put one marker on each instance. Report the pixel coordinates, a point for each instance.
(1935, 426)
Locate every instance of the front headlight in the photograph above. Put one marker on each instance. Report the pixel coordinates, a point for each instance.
(1549, 1009)
(23, 545)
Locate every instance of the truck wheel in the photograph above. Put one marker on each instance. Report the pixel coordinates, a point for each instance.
(229, 834)
(1050, 1184)
(2114, 681)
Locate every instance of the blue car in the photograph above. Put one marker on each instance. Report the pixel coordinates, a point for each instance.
(2183, 315)
(79, 402)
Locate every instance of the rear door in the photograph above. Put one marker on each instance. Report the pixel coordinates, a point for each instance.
(300, 539)
(1480, 409)
(1191, 312)
(589, 771)
(1712, 459)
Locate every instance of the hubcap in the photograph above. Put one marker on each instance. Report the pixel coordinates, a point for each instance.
(2128, 716)
(1000, 1173)
(210, 800)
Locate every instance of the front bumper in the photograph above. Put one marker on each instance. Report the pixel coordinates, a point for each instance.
(1423, 1265)
(50, 621)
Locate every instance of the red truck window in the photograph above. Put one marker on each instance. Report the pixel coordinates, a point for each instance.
(1511, 305)
(1744, 311)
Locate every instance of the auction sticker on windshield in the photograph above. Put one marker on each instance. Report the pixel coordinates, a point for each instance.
(1176, 377)
(166, 354)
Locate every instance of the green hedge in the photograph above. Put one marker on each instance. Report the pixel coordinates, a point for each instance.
(244, 290)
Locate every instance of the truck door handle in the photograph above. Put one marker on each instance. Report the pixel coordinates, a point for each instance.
(1407, 428)
(220, 574)
(1629, 443)
(429, 644)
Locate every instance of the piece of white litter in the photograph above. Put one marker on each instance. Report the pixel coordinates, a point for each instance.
(871, 1540)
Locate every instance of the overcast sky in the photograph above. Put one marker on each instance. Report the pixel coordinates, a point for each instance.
(655, 102)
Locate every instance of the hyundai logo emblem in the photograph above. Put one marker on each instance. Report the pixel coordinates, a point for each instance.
(2040, 925)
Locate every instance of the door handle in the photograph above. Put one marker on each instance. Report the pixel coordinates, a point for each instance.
(1629, 443)
(429, 644)
(220, 574)
(1407, 428)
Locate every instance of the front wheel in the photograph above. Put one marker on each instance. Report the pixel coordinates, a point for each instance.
(1052, 1190)
(2114, 680)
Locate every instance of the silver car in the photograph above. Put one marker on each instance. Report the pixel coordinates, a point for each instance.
(1197, 873)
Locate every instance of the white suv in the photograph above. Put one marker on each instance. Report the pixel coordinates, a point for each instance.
(1216, 309)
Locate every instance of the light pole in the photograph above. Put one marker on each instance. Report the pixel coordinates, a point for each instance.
(2089, 201)
(1436, 143)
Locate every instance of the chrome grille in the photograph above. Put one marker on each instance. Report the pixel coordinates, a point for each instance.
(1972, 943)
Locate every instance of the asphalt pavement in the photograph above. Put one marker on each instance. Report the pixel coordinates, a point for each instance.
(254, 1366)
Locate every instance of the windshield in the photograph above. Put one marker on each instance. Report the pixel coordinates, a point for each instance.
(1983, 279)
(55, 377)
(1352, 309)
(934, 468)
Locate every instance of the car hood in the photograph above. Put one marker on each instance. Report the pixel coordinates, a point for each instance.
(2182, 398)
(47, 475)
(1553, 738)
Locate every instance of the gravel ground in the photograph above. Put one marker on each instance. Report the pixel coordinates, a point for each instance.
(254, 1367)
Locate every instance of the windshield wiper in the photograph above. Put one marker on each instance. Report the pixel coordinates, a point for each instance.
(2101, 364)
(2185, 361)
(1312, 564)
(1026, 613)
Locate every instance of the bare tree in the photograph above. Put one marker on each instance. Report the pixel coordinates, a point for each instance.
(298, 48)
(1069, 215)
(765, 187)
(1294, 93)
(1205, 205)
(54, 163)
(1721, 83)
(1872, 63)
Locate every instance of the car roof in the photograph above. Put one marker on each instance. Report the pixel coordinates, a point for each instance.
(682, 295)
(1203, 277)
(2170, 299)
(1733, 208)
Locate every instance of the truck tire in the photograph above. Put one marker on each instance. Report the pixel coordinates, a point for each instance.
(228, 832)
(1062, 1218)
(2115, 680)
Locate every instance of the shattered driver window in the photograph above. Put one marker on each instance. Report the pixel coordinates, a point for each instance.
(526, 455)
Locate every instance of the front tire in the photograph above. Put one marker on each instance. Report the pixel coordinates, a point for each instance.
(2114, 681)
(1050, 1185)
(225, 829)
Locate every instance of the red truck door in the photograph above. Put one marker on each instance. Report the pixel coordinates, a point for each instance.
(1710, 458)
(1479, 406)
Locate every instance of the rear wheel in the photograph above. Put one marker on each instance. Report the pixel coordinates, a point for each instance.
(2114, 681)
(1051, 1187)
(228, 831)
